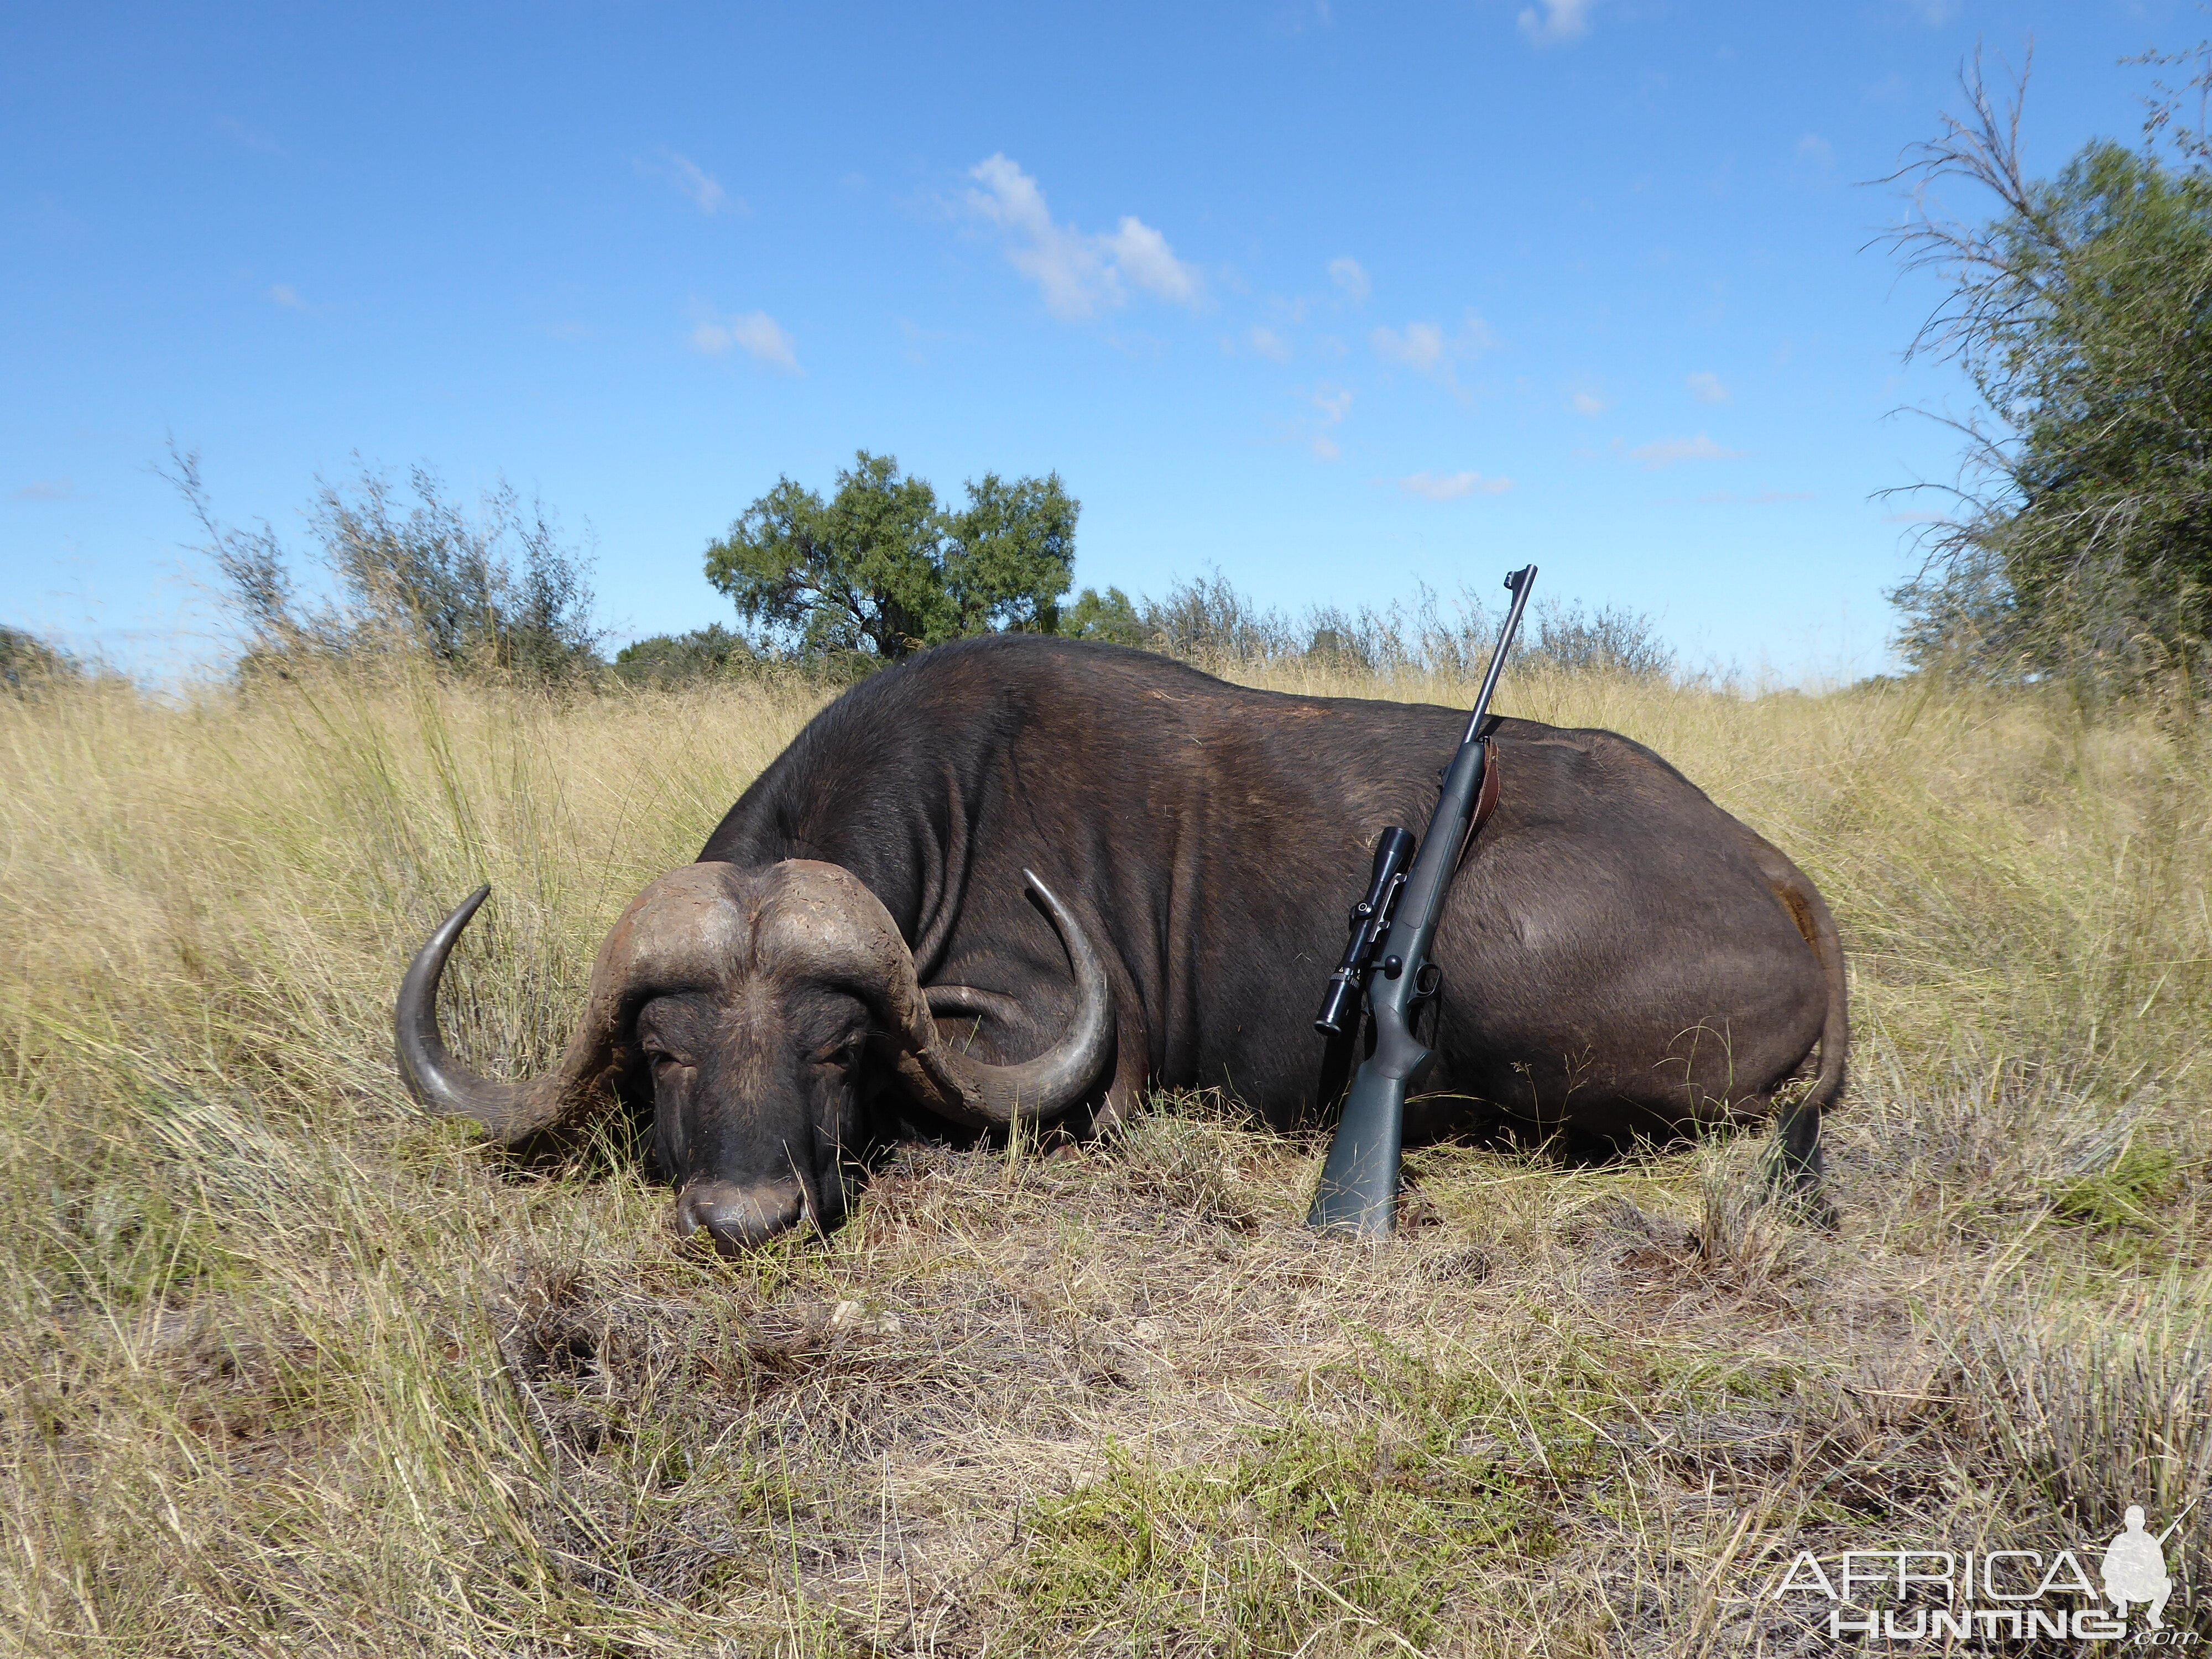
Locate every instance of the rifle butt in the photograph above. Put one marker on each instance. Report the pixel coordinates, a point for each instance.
(1358, 1192)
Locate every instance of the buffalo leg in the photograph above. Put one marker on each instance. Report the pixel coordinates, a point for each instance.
(1795, 1168)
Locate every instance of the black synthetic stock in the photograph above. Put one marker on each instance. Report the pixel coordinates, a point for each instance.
(1358, 1191)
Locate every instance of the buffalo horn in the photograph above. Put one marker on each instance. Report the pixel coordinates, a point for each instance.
(689, 928)
(510, 1112)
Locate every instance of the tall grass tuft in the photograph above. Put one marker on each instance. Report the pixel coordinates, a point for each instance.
(286, 1367)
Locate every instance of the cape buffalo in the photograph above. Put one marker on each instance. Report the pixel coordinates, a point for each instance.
(1021, 877)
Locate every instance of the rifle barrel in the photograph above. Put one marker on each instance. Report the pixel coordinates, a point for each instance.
(1359, 1190)
(2178, 1519)
(1520, 581)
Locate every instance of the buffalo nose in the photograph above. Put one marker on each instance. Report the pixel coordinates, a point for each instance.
(737, 1218)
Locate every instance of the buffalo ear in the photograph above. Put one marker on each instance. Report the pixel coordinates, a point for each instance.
(630, 1083)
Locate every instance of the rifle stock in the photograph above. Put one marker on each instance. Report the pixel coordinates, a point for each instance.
(1358, 1191)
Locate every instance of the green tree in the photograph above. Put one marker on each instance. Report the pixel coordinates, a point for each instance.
(882, 568)
(1109, 616)
(2080, 540)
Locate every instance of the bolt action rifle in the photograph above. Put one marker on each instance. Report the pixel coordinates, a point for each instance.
(1388, 960)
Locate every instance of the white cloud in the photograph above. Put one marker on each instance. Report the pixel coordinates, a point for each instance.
(1935, 13)
(1013, 198)
(1078, 274)
(1427, 350)
(1558, 21)
(1334, 402)
(1816, 149)
(252, 138)
(1325, 449)
(1451, 486)
(1705, 386)
(704, 190)
(755, 333)
(1667, 451)
(1348, 274)
(61, 489)
(288, 296)
(1589, 404)
(1143, 256)
(1419, 346)
(1764, 498)
(1269, 344)
(1474, 335)
(1066, 264)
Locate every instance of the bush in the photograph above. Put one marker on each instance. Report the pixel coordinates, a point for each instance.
(28, 661)
(1109, 616)
(668, 661)
(493, 596)
(1207, 620)
(1610, 640)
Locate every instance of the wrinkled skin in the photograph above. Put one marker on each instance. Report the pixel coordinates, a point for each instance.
(1620, 958)
(755, 1054)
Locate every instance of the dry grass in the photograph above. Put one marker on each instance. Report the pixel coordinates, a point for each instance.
(286, 1368)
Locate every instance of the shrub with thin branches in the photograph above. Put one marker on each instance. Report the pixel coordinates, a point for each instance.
(495, 593)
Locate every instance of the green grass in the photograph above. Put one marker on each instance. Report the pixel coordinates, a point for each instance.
(1382, 1510)
(286, 1367)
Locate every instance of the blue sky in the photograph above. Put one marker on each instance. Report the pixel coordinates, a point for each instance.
(1336, 298)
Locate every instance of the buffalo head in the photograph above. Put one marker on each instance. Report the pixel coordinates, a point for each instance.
(764, 1009)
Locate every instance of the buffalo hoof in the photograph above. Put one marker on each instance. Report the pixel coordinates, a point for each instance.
(1801, 1194)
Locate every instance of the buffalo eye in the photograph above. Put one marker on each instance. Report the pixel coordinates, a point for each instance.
(844, 1052)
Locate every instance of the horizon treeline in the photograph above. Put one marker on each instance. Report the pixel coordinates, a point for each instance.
(831, 589)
